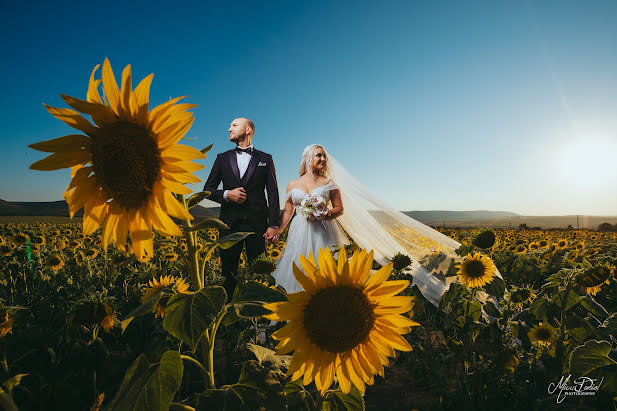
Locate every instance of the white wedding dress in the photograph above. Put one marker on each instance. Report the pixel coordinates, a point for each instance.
(306, 236)
(374, 226)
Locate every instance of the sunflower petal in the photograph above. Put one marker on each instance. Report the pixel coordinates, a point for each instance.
(93, 92)
(72, 118)
(182, 152)
(125, 92)
(60, 160)
(100, 113)
(71, 142)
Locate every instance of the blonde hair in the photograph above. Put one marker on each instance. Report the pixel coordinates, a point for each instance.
(306, 165)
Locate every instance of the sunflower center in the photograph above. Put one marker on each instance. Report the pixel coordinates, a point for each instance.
(338, 318)
(543, 334)
(475, 269)
(126, 163)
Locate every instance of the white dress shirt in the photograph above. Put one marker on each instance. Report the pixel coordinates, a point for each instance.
(243, 163)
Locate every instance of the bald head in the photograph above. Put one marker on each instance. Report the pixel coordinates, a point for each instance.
(241, 131)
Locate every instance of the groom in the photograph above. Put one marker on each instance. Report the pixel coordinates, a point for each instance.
(245, 173)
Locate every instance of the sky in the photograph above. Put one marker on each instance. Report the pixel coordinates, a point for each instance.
(475, 105)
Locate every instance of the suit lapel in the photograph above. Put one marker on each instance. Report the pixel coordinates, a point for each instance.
(233, 160)
(251, 168)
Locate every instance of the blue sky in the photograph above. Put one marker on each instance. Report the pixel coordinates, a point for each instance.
(433, 105)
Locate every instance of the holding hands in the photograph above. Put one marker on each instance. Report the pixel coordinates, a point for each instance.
(272, 235)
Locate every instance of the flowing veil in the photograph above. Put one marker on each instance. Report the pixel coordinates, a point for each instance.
(376, 226)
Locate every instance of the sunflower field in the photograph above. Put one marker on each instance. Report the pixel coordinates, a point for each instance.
(82, 327)
(126, 311)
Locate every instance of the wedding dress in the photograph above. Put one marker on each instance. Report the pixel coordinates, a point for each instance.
(373, 225)
(306, 236)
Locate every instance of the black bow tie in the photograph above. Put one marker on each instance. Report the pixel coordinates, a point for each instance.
(248, 150)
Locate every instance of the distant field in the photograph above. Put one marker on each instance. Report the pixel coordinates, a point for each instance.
(39, 219)
(588, 222)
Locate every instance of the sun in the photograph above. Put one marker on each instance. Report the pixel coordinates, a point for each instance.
(587, 163)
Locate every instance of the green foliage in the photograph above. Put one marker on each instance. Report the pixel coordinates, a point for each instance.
(189, 315)
(149, 386)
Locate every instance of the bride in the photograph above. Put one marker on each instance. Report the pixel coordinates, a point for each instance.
(357, 213)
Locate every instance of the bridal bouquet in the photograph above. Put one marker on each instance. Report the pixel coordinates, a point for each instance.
(313, 207)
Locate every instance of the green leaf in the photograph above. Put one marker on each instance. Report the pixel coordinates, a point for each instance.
(298, 397)
(231, 239)
(590, 356)
(249, 298)
(208, 224)
(197, 198)
(490, 309)
(594, 307)
(472, 309)
(269, 358)
(567, 297)
(496, 288)
(257, 388)
(187, 316)
(146, 307)
(205, 150)
(609, 326)
(149, 386)
(539, 308)
(339, 401)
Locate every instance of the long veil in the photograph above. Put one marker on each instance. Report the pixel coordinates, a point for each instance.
(374, 225)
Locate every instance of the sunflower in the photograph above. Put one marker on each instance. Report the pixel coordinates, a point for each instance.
(38, 240)
(91, 253)
(263, 265)
(562, 244)
(542, 334)
(75, 244)
(54, 262)
(242, 260)
(6, 249)
(520, 249)
(55, 233)
(476, 270)
(177, 284)
(280, 245)
(593, 279)
(68, 232)
(108, 321)
(346, 323)
(534, 245)
(274, 253)
(127, 165)
(170, 256)
(521, 296)
(20, 239)
(543, 243)
(6, 324)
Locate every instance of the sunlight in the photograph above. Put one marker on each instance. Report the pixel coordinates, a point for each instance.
(587, 163)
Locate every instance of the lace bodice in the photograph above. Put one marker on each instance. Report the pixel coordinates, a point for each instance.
(297, 194)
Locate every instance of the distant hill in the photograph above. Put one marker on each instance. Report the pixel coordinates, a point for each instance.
(485, 218)
(60, 209)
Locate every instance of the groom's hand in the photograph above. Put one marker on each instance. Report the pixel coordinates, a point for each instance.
(237, 195)
(272, 235)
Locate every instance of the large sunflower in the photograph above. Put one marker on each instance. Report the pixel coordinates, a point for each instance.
(346, 323)
(476, 270)
(127, 165)
(542, 334)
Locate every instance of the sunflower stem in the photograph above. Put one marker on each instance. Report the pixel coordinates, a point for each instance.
(191, 249)
(198, 364)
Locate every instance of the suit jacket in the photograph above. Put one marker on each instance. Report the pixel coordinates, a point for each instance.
(259, 175)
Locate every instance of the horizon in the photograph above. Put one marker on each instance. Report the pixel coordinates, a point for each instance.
(472, 106)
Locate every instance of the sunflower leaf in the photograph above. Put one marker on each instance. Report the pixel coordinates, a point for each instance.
(497, 287)
(249, 298)
(231, 239)
(565, 299)
(339, 401)
(594, 307)
(149, 386)
(209, 223)
(197, 198)
(257, 388)
(205, 150)
(298, 397)
(187, 316)
(590, 356)
(146, 307)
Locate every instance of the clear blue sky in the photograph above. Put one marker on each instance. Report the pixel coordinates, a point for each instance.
(433, 105)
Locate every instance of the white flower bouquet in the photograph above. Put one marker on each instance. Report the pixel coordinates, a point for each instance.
(313, 207)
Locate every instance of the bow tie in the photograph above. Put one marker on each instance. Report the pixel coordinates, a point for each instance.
(248, 150)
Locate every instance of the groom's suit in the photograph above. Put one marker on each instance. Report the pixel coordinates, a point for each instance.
(254, 214)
